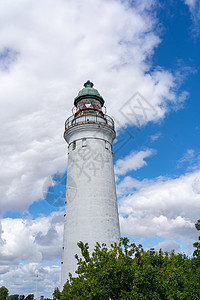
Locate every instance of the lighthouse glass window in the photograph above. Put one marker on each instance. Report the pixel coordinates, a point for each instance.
(88, 103)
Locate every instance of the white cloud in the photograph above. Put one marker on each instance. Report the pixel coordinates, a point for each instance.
(196, 185)
(26, 239)
(194, 7)
(133, 161)
(155, 137)
(188, 155)
(168, 246)
(130, 184)
(47, 51)
(191, 158)
(165, 207)
(21, 279)
(191, 3)
(30, 247)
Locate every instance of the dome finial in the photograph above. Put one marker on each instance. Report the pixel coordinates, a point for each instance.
(88, 84)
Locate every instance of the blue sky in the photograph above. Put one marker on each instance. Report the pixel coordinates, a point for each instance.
(146, 50)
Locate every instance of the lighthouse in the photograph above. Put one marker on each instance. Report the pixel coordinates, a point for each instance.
(91, 212)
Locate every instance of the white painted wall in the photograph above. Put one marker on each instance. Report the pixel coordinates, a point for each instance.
(91, 204)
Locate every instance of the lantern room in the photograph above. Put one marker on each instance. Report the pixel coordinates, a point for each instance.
(88, 100)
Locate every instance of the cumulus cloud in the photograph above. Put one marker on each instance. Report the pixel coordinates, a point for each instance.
(31, 240)
(168, 246)
(31, 247)
(21, 279)
(196, 185)
(133, 161)
(47, 51)
(166, 207)
(129, 184)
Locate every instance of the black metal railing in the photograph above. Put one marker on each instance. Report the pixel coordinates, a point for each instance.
(89, 118)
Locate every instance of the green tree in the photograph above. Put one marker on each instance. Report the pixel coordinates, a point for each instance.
(127, 271)
(3, 293)
(197, 244)
(56, 294)
(29, 297)
(13, 297)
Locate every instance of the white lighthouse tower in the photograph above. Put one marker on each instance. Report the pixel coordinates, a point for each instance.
(91, 213)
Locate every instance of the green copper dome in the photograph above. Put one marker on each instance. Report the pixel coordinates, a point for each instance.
(88, 92)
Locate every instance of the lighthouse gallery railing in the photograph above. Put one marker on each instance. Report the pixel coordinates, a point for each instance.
(89, 118)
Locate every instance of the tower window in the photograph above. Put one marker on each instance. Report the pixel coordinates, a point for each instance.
(107, 145)
(84, 143)
(74, 145)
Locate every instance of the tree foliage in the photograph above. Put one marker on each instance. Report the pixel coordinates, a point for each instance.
(56, 294)
(13, 297)
(127, 271)
(29, 297)
(197, 244)
(3, 293)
